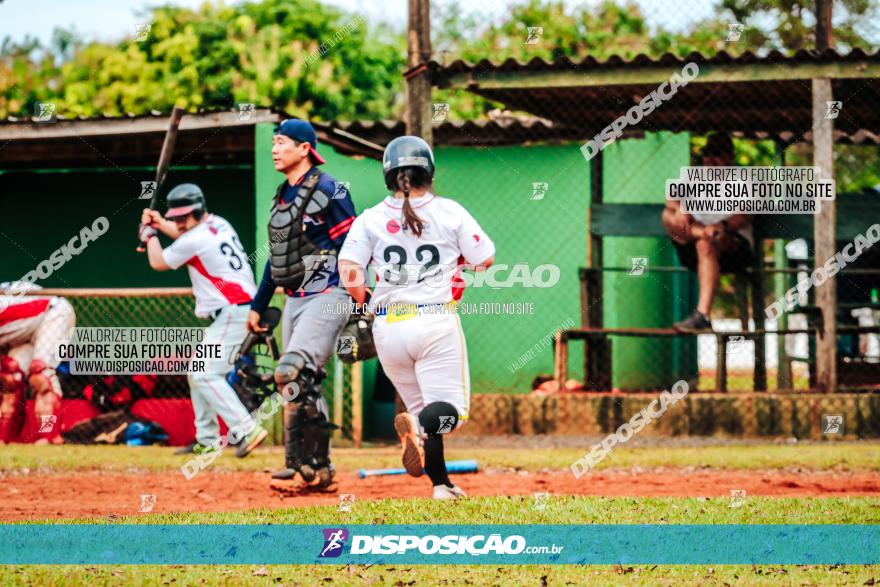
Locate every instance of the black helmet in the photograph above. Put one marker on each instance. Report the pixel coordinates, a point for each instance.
(183, 199)
(406, 151)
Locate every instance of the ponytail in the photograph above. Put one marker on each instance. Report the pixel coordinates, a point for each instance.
(411, 220)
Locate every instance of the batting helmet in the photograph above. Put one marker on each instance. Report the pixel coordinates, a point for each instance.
(406, 151)
(184, 199)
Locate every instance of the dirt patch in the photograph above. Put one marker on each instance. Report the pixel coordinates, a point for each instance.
(81, 494)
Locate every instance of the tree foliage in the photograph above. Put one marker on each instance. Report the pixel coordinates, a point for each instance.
(298, 55)
(620, 29)
(314, 60)
(790, 25)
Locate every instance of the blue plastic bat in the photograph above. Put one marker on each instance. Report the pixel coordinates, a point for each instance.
(451, 467)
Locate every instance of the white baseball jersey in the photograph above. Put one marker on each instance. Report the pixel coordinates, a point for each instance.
(218, 265)
(413, 270)
(20, 317)
(33, 328)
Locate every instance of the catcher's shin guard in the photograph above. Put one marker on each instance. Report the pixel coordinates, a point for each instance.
(316, 434)
(307, 432)
(291, 375)
(292, 438)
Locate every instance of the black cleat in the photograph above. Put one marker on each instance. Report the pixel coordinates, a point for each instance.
(308, 473)
(326, 476)
(326, 480)
(696, 322)
(284, 474)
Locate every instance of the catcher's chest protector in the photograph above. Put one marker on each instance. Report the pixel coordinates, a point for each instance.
(288, 243)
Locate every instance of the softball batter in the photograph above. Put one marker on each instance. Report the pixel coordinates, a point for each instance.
(418, 243)
(223, 286)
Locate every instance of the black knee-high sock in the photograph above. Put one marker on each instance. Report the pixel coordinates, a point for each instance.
(435, 462)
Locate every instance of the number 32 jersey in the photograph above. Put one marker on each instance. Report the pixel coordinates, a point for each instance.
(218, 265)
(421, 270)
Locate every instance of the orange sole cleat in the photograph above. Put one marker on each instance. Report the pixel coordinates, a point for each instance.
(407, 428)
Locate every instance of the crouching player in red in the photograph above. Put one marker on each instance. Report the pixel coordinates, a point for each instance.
(418, 243)
(31, 330)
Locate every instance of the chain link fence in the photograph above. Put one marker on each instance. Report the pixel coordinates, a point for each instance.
(141, 308)
(569, 164)
(657, 301)
(559, 126)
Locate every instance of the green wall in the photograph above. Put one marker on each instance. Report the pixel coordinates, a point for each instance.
(635, 172)
(495, 185)
(43, 210)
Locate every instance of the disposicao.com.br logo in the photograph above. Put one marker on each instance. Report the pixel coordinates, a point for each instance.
(453, 544)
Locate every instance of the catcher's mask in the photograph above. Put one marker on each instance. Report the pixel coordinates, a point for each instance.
(253, 375)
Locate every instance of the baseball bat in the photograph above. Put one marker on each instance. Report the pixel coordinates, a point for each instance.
(165, 158)
(451, 467)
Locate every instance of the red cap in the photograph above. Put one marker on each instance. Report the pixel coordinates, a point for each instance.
(178, 212)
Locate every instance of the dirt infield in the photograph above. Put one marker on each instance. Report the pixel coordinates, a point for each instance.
(99, 494)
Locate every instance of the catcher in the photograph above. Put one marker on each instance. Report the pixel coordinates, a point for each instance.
(309, 220)
(31, 330)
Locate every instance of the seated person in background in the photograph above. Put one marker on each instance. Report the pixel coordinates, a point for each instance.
(710, 244)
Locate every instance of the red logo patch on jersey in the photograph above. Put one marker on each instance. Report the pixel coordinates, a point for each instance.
(213, 230)
(477, 237)
(393, 227)
(317, 221)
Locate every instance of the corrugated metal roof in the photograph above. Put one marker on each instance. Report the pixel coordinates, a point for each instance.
(639, 61)
(483, 132)
(135, 140)
(205, 138)
(745, 93)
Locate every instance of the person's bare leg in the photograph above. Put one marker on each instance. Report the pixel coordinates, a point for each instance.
(708, 274)
(676, 225)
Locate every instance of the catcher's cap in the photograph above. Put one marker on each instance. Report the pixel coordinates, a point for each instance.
(406, 151)
(183, 199)
(302, 131)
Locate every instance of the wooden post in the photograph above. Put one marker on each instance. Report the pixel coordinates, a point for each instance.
(560, 359)
(418, 84)
(338, 396)
(824, 228)
(824, 237)
(357, 404)
(721, 363)
(596, 351)
(597, 194)
(780, 286)
(760, 376)
(824, 36)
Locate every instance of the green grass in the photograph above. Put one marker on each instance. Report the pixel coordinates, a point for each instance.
(558, 510)
(816, 456)
(492, 510)
(399, 575)
(745, 380)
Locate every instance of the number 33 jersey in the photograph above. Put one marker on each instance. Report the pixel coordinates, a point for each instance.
(218, 265)
(411, 270)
